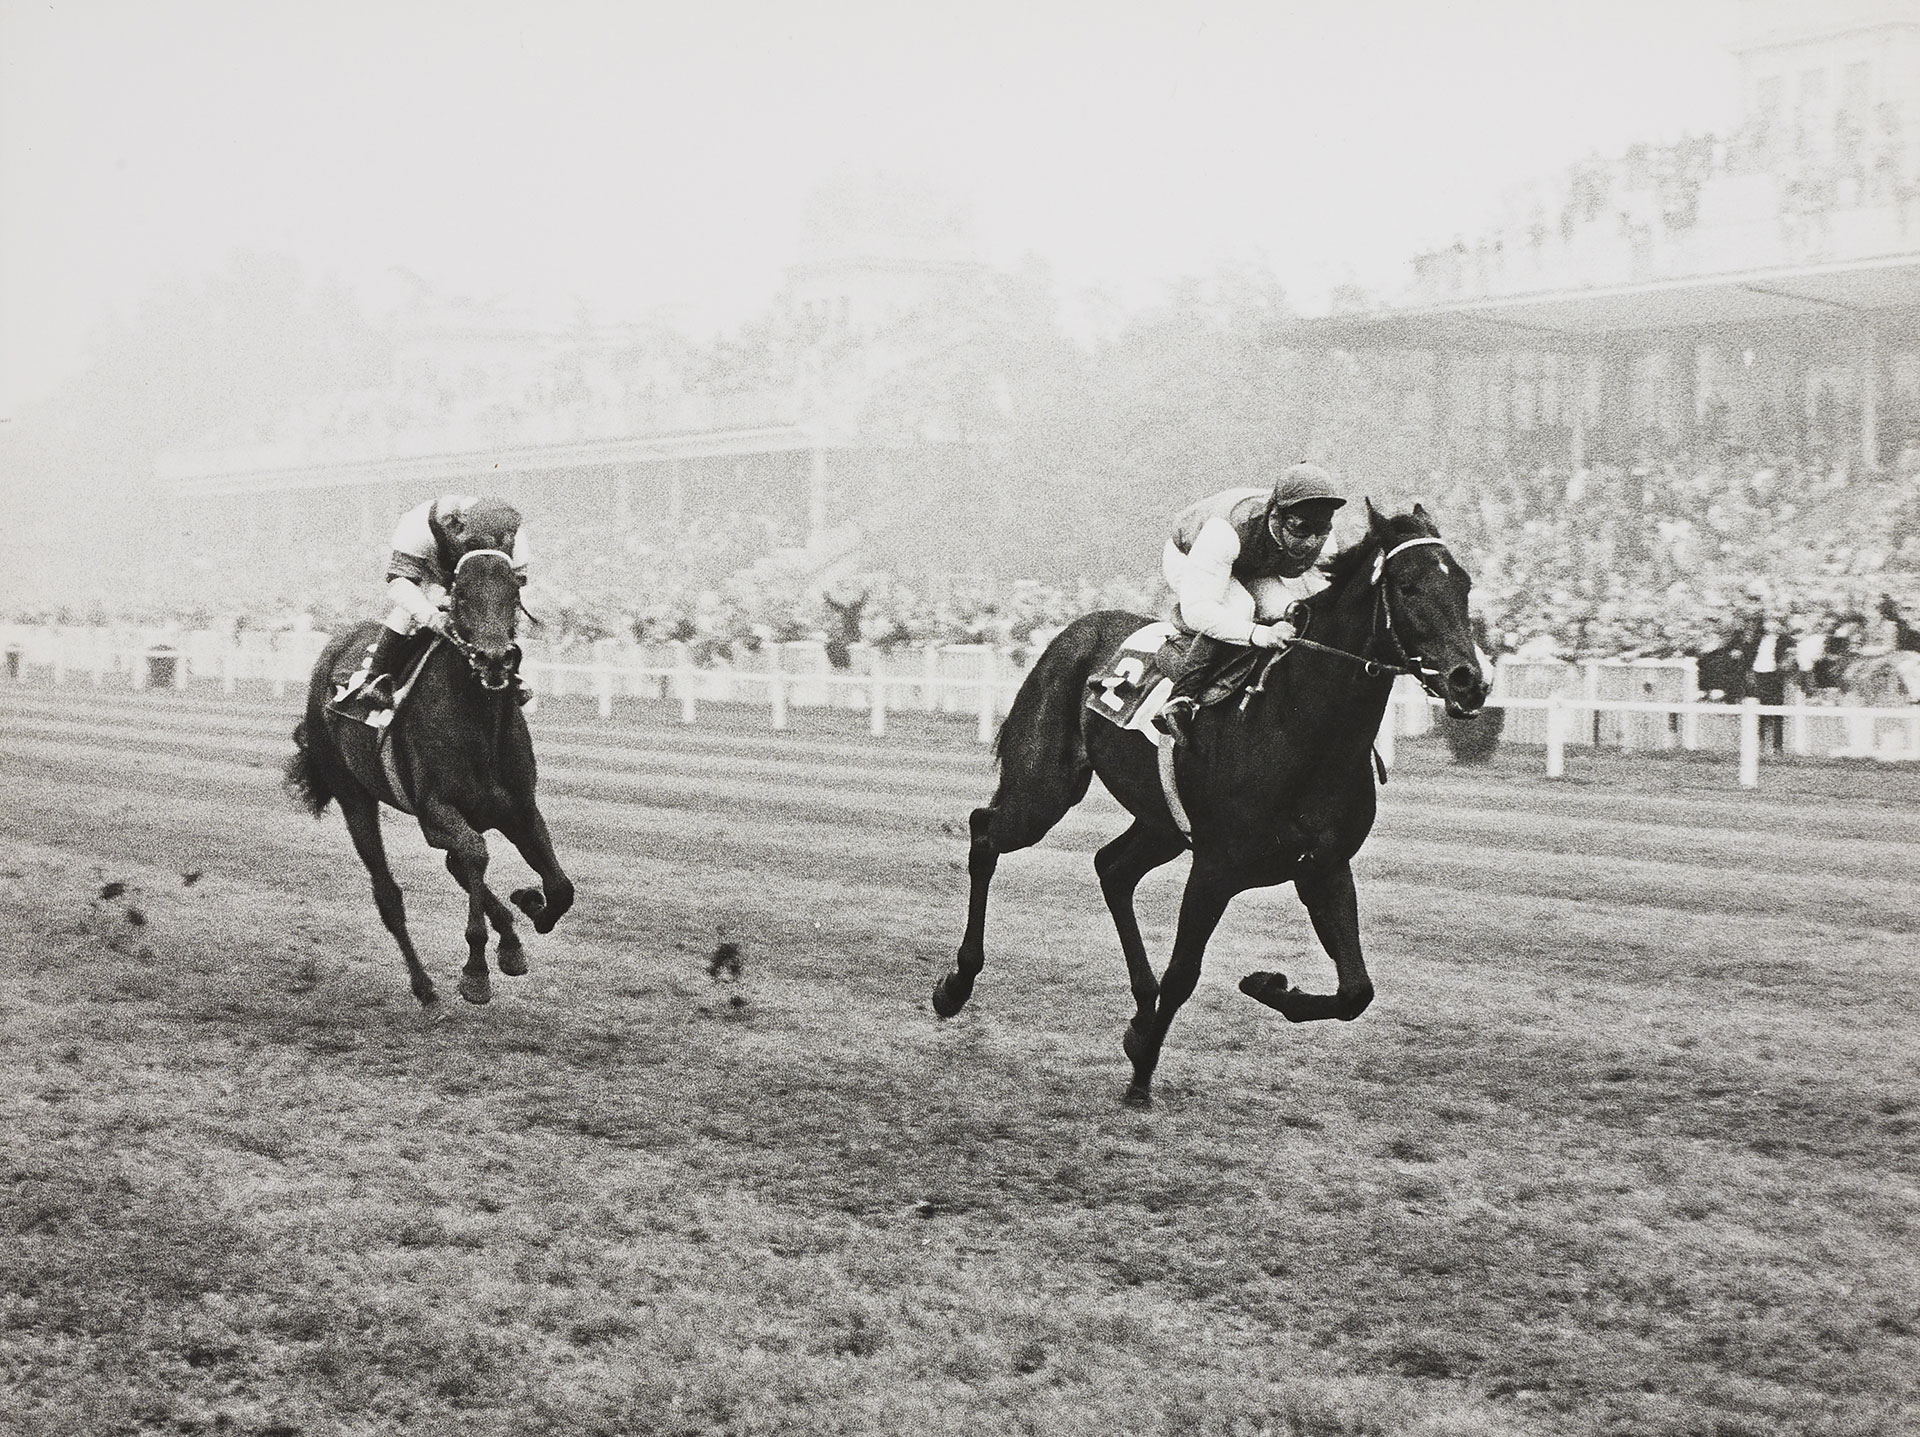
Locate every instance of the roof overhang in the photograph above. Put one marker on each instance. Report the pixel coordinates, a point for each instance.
(1880, 292)
(197, 477)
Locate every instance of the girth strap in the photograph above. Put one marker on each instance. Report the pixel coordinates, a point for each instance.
(1171, 789)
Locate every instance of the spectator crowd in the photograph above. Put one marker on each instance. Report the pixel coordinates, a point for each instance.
(1654, 558)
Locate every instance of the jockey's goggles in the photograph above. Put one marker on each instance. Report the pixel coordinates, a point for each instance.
(1296, 529)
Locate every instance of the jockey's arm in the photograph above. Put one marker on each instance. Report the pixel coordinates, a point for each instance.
(415, 602)
(1207, 586)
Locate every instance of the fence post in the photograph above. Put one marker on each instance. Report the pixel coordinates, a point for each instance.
(930, 672)
(689, 705)
(985, 731)
(1556, 737)
(603, 688)
(777, 697)
(1750, 743)
(877, 697)
(1799, 735)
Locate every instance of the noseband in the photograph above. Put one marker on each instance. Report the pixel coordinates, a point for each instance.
(483, 667)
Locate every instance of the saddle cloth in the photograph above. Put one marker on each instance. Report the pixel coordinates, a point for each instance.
(364, 732)
(1131, 687)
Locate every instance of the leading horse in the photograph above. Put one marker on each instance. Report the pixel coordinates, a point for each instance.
(1279, 790)
(464, 759)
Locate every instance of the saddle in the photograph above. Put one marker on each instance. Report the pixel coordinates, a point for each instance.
(364, 731)
(1133, 686)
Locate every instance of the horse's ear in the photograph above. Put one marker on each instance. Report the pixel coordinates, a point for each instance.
(1376, 521)
(1420, 513)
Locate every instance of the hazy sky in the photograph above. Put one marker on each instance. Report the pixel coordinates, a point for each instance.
(638, 155)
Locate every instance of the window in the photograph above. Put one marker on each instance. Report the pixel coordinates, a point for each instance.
(1859, 78)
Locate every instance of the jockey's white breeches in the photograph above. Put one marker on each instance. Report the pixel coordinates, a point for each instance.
(413, 604)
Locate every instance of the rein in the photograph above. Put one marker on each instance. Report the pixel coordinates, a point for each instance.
(1373, 667)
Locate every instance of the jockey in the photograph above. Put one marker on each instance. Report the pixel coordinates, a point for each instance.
(428, 543)
(1237, 563)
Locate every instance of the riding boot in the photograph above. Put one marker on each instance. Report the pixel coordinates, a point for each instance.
(382, 659)
(1205, 660)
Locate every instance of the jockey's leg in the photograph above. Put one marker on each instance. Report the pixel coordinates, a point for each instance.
(384, 658)
(1205, 660)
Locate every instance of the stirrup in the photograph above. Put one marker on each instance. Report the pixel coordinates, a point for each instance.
(1175, 720)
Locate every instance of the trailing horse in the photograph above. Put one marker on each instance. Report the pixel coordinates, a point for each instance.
(461, 759)
(1278, 790)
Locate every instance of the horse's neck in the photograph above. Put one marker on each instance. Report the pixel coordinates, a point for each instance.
(1349, 700)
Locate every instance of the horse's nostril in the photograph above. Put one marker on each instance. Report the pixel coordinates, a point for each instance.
(1462, 677)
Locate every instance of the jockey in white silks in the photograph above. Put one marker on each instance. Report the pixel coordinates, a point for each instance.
(427, 545)
(1237, 563)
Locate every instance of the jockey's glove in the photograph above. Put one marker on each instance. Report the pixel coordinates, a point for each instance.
(1272, 636)
(440, 621)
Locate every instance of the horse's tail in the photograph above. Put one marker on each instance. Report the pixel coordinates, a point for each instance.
(306, 781)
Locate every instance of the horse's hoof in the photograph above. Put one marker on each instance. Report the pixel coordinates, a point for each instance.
(530, 901)
(944, 1003)
(1268, 988)
(512, 961)
(428, 998)
(476, 988)
(1138, 1095)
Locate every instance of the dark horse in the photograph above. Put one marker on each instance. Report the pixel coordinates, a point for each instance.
(462, 745)
(1278, 791)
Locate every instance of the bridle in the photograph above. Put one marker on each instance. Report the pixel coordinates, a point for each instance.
(492, 676)
(1411, 663)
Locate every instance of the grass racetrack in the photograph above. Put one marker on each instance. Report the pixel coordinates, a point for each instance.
(1628, 1143)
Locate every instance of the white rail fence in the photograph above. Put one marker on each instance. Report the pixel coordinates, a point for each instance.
(1645, 704)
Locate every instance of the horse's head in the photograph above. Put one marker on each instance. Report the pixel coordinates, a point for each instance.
(1421, 592)
(486, 612)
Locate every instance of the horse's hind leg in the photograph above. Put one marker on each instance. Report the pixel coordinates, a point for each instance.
(950, 994)
(1121, 865)
(1013, 821)
(362, 814)
(466, 852)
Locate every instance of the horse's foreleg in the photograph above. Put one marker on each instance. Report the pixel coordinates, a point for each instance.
(511, 957)
(362, 814)
(527, 831)
(1328, 894)
(1121, 865)
(1201, 906)
(466, 852)
(950, 994)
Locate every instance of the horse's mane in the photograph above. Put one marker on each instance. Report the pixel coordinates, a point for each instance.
(1342, 566)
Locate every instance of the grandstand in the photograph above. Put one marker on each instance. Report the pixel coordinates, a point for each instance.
(625, 424)
(1758, 288)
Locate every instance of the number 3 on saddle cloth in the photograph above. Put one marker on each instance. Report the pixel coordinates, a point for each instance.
(1133, 688)
(364, 731)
